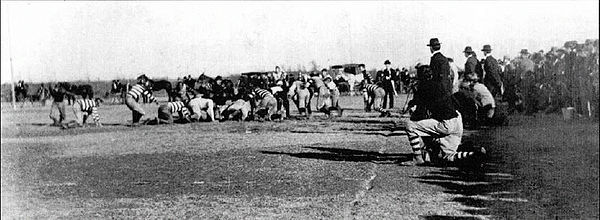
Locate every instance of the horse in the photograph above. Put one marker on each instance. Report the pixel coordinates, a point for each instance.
(160, 85)
(22, 94)
(21, 91)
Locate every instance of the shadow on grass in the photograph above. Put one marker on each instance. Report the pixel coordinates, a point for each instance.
(349, 155)
(52, 125)
(441, 217)
(369, 120)
(485, 191)
(384, 131)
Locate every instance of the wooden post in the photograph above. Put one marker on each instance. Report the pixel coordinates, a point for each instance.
(12, 76)
(12, 85)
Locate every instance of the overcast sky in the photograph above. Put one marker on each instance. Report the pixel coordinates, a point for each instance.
(56, 41)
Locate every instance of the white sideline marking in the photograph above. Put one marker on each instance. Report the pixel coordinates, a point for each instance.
(488, 198)
(61, 184)
(366, 186)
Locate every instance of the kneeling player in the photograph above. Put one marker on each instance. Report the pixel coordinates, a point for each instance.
(166, 111)
(267, 104)
(137, 92)
(439, 124)
(237, 110)
(202, 109)
(83, 108)
(374, 95)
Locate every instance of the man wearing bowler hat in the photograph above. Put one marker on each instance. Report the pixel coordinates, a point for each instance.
(440, 68)
(491, 78)
(472, 65)
(385, 79)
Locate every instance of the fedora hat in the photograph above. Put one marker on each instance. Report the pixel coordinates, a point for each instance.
(434, 42)
(487, 47)
(524, 51)
(468, 49)
(387, 62)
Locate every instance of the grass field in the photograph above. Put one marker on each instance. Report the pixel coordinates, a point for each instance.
(341, 168)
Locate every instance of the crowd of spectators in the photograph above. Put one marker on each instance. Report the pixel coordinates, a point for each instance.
(550, 81)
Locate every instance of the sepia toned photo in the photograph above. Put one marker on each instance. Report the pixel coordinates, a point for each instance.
(300, 109)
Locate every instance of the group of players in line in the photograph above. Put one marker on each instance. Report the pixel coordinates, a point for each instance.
(251, 102)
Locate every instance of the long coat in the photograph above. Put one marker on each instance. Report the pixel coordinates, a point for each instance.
(492, 78)
(440, 69)
(471, 66)
(382, 78)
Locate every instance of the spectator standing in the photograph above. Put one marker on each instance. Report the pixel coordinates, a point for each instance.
(453, 75)
(385, 79)
(440, 68)
(491, 78)
(526, 69)
(472, 64)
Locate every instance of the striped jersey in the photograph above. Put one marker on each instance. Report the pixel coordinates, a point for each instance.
(178, 107)
(86, 105)
(261, 93)
(370, 88)
(140, 90)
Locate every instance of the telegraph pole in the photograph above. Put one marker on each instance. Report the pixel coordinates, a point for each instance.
(12, 76)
